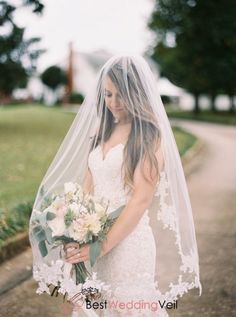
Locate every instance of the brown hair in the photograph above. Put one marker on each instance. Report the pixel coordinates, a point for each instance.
(144, 125)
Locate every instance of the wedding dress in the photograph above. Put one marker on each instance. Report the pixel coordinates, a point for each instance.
(158, 260)
(129, 267)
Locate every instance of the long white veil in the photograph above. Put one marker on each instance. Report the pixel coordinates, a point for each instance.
(177, 266)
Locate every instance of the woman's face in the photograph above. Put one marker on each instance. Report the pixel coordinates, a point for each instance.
(114, 102)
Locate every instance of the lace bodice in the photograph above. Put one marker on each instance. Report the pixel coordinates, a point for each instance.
(107, 175)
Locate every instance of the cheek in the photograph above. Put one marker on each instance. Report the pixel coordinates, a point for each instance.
(108, 108)
(107, 105)
(107, 102)
(124, 109)
(123, 105)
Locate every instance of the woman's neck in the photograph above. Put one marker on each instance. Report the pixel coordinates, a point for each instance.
(122, 122)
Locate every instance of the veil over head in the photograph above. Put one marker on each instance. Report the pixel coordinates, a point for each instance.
(171, 219)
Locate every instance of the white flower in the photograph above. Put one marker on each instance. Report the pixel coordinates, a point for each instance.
(92, 222)
(78, 209)
(57, 226)
(74, 208)
(70, 188)
(73, 192)
(78, 230)
(100, 210)
(59, 208)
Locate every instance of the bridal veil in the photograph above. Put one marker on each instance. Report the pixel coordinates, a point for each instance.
(171, 219)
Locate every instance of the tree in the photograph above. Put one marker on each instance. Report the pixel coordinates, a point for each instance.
(202, 54)
(54, 77)
(18, 55)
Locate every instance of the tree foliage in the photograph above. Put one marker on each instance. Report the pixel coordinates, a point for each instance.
(53, 77)
(18, 55)
(195, 45)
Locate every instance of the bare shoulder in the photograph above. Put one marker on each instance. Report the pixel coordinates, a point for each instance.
(159, 153)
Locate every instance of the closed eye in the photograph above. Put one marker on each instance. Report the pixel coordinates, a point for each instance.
(108, 93)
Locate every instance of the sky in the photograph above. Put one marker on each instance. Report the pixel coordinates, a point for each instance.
(118, 26)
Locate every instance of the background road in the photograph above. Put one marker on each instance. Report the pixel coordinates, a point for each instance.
(212, 187)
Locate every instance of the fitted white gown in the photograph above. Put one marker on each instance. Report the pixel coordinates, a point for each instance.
(129, 268)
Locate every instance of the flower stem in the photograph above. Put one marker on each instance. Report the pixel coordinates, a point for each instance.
(81, 272)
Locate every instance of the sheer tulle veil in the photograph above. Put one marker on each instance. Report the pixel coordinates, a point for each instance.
(171, 218)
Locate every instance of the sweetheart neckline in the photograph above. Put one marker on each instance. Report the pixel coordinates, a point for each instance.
(107, 153)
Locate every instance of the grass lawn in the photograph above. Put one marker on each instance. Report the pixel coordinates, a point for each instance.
(224, 117)
(183, 139)
(29, 139)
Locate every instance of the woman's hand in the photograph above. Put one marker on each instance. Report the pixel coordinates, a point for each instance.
(75, 254)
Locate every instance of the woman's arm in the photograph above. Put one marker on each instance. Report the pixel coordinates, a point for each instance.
(88, 182)
(141, 200)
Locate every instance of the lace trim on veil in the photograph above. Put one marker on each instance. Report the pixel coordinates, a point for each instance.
(189, 263)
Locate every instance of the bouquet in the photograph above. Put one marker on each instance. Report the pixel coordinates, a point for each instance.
(72, 216)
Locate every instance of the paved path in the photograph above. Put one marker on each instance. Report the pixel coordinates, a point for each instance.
(212, 187)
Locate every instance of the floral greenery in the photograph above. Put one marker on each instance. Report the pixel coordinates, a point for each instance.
(57, 223)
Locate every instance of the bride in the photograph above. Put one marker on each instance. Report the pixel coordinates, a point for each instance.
(121, 148)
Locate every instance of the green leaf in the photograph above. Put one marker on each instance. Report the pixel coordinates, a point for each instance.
(37, 229)
(94, 251)
(114, 214)
(42, 219)
(42, 248)
(69, 217)
(50, 216)
(40, 234)
(48, 233)
(64, 238)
